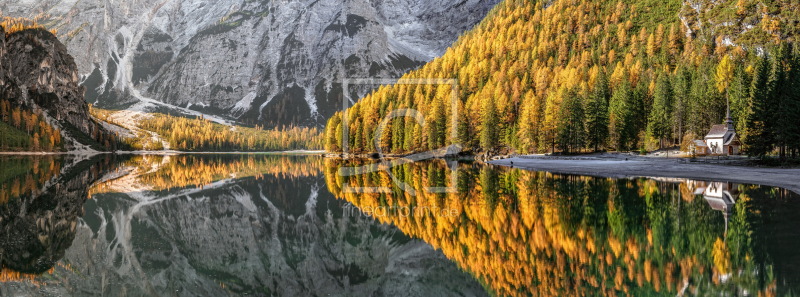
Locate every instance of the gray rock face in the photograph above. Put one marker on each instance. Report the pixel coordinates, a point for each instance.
(268, 62)
(38, 73)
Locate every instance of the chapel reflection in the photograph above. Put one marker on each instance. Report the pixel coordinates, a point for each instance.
(720, 196)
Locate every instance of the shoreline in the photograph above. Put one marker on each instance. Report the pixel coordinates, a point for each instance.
(603, 165)
(650, 167)
(82, 153)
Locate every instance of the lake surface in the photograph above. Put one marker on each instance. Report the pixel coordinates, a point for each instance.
(269, 225)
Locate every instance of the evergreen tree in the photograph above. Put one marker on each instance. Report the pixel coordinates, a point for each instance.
(489, 127)
(597, 113)
(570, 127)
(640, 104)
(621, 117)
(787, 92)
(660, 115)
(707, 105)
(793, 107)
(437, 125)
(759, 138)
(529, 124)
(408, 139)
(398, 133)
(464, 132)
(739, 96)
(682, 87)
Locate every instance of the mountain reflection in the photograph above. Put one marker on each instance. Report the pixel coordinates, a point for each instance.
(296, 225)
(212, 225)
(532, 233)
(39, 209)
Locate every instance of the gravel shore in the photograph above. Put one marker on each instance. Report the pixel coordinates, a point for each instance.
(622, 166)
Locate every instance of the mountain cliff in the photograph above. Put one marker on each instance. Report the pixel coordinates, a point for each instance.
(260, 62)
(39, 79)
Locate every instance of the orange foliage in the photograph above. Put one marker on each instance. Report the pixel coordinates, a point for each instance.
(13, 25)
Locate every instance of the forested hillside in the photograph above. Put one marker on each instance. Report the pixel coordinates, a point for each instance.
(203, 135)
(158, 131)
(568, 76)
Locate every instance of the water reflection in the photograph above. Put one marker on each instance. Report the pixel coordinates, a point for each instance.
(40, 206)
(533, 233)
(233, 225)
(287, 225)
(720, 196)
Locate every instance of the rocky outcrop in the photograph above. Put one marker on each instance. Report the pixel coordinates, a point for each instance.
(37, 73)
(267, 62)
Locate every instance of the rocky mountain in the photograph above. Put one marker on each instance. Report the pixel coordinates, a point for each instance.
(38, 74)
(271, 62)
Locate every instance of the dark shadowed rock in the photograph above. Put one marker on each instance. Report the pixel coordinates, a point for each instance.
(38, 73)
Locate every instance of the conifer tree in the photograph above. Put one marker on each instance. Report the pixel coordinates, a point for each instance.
(758, 137)
(570, 126)
(489, 127)
(739, 96)
(332, 139)
(660, 115)
(786, 126)
(597, 113)
(620, 117)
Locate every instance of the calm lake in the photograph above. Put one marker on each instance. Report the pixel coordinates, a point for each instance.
(271, 225)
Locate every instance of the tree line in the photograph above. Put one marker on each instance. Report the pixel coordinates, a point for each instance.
(199, 134)
(12, 25)
(27, 130)
(594, 75)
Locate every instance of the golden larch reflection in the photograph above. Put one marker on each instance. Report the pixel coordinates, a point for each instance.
(158, 173)
(529, 233)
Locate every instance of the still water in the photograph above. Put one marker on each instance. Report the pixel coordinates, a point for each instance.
(267, 225)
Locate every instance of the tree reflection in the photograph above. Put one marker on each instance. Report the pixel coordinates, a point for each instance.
(159, 173)
(25, 175)
(38, 217)
(533, 233)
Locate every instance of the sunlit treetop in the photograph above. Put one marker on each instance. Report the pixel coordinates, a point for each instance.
(12, 25)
